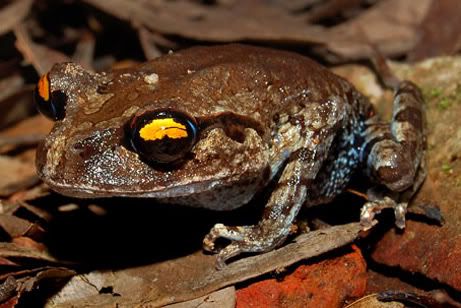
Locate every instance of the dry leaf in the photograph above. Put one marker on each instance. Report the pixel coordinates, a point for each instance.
(192, 276)
(241, 20)
(224, 298)
(10, 250)
(391, 25)
(371, 301)
(13, 14)
(25, 133)
(440, 31)
(18, 227)
(18, 175)
(40, 56)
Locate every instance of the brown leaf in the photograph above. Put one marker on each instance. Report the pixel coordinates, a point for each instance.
(29, 243)
(240, 20)
(10, 250)
(10, 85)
(17, 175)
(18, 227)
(48, 273)
(84, 51)
(331, 8)
(10, 208)
(391, 25)
(13, 14)
(40, 56)
(148, 44)
(195, 275)
(32, 193)
(224, 298)
(371, 301)
(18, 274)
(27, 132)
(4, 261)
(15, 100)
(399, 299)
(440, 29)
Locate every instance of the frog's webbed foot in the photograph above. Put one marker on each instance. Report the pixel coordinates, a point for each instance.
(244, 239)
(371, 208)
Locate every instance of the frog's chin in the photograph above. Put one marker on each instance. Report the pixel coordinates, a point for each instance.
(87, 191)
(215, 194)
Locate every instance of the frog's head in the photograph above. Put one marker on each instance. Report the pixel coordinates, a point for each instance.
(131, 133)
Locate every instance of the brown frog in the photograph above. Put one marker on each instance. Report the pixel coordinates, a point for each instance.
(211, 126)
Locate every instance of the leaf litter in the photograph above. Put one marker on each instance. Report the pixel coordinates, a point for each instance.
(92, 34)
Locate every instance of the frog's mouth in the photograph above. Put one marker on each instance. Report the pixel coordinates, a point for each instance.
(222, 194)
(221, 169)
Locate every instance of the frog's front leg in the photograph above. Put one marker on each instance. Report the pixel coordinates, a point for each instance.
(394, 154)
(284, 204)
(279, 213)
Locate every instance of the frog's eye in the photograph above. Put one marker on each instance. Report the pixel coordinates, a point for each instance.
(50, 104)
(163, 136)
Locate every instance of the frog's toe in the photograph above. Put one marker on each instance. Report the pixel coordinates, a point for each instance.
(370, 209)
(228, 252)
(220, 230)
(243, 239)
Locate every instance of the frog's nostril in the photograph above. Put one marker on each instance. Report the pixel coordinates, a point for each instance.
(84, 151)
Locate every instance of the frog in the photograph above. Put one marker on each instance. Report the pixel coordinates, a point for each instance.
(212, 127)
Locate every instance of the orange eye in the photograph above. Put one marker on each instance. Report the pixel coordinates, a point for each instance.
(163, 136)
(50, 104)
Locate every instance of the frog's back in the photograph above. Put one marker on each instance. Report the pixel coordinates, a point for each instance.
(256, 82)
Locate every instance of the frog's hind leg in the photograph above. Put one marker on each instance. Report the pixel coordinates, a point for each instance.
(394, 154)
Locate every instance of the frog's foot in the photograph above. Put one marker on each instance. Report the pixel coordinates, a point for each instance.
(244, 239)
(370, 209)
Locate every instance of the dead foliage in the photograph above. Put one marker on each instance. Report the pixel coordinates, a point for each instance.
(59, 251)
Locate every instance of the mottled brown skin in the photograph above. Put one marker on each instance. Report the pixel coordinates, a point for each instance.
(263, 112)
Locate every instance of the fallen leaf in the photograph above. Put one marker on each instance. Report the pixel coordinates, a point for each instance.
(18, 227)
(148, 44)
(371, 301)
(193, 276)
(40, 56)
(13, 14)
(440, 31)
(15, 99)
(19, 175)
(30, 283)
(28, 132)
(10, 250)
(391, 25)
(256, 21)
(224, 298)
(28, 243)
